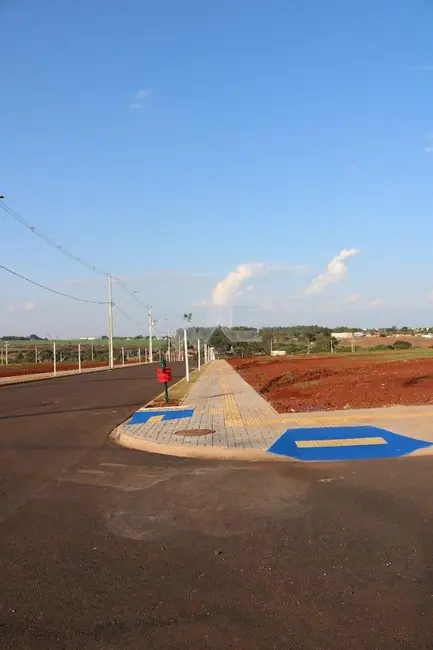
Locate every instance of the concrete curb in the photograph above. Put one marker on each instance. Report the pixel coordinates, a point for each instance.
(122, 438)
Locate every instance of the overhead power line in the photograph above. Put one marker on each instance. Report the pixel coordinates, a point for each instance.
(48, 240)
(51, 242)
(131, 294)
(59, 293)
(129, 317)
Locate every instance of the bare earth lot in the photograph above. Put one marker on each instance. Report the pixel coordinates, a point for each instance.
(15, 370)
(335, 382)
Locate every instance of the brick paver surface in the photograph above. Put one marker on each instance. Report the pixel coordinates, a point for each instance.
(224, 403)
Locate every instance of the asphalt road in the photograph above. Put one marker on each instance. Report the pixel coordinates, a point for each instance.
(107, 548)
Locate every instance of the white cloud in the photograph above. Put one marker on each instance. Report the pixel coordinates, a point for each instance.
(224, 292)
(429, 144)
(377, 302)
(352, 297)
(140, 99)
(430, 296)
(335, 272)
(144, 94)
(428, 67)
(25, 307)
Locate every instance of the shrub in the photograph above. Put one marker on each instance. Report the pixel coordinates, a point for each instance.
(402, 345)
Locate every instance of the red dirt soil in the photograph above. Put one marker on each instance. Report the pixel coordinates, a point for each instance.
(327, 383)
(42, 368)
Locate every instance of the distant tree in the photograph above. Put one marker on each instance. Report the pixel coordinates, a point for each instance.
(219, 341)
(378, 348)
(187, 317)
(402, 345)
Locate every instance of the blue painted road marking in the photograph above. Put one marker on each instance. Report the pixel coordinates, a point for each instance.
(344, 443)
(141, 417)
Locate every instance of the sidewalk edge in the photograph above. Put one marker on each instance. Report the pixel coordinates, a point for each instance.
(123, 439)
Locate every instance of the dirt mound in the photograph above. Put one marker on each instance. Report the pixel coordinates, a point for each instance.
(327, 383)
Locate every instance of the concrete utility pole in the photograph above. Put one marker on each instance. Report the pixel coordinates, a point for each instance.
(150, 324)
(110, 324)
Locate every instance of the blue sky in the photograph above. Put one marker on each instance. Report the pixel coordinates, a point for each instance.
(170, 142)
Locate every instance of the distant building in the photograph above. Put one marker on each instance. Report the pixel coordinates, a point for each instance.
(346, 336)
(278, 353)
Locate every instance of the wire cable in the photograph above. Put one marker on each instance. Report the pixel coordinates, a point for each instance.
(51, 242)
(137, 322)
(131, 294)
(48, 240)
(59, 293)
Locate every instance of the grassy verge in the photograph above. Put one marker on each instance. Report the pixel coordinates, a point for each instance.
(179, 391)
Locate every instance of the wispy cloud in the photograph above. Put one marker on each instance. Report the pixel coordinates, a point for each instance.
(352, 297)
(335, 272)
(429, 143)
(426, 67)
(377, 302)
(140, 99)
(145, 93)
(18, 307)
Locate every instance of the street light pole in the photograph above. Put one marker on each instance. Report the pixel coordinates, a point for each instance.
(185, 342)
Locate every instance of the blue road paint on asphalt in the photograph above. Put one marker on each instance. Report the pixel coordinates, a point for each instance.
(340, 443)
(141, 417)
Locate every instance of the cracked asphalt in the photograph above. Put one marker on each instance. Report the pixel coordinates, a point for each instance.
(107, 548)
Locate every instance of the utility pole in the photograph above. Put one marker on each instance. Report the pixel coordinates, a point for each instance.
(6, 352)
(110, 324)
(150, 323)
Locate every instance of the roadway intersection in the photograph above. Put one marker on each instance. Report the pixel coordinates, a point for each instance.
(104, 547)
